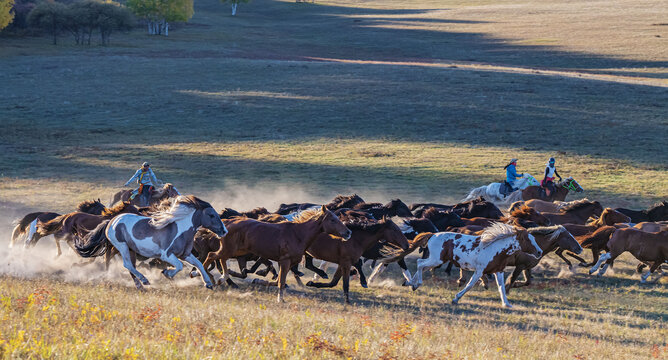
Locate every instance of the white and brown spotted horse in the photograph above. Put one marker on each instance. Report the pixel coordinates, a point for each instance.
(484, 254)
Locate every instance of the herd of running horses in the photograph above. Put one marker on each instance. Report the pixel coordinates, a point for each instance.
(475, 235)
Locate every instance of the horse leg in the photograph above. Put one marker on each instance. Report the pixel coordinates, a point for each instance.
(377, 270)
(582, 261)
(226, 276)
(511, 280)
(462, 278)
(595, 253)
(345, 273)
(472, 281)
(560, 254)
(404, 271)
(283, 268)
(129, 261)
(421, 265)
(174, 261)
(448, 269)
(333, 282)
(192, 260)
(309, 265)
(358, 266)
(502, 289)
(600, 261)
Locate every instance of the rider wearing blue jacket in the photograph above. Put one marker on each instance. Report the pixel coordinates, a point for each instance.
(511, 173)
(146, 180)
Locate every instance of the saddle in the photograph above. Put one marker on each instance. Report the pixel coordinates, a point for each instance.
(506, 189)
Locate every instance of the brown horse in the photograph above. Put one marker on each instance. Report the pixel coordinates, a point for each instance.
(365, 234)
(77, 224)
(577, 213)
(608, 217)
(521, 216)
(285, 242)
(167, 191)
(546, 206)
(652, 226)
(549, 239)
(395, 207)
(645, 246)
(562, 189)
(26, 227)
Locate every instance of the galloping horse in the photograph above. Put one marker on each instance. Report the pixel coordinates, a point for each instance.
(485, 254)
(562, 189)
(492, 192)
(167, 191)
(657, 212)
(478, 207)
(577, 213)
(77, 224)
(26, 227)
(645, 246)
(166, 235)
(365, 234)
(284, 242)
(395, 207)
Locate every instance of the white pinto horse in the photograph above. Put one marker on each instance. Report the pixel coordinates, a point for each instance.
(484, 254)
(492, 192)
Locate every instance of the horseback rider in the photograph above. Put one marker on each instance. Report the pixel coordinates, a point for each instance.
(548, 180)
(147, 182)
(511, 176)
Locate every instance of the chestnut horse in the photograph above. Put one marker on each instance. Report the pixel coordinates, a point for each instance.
(544, 206)
(365, 234)
(652, 226)
(562, 189)
(284, 242)
(77, 224)
(577, 213)
(518, 217)
(608, 217)
(645, 246)
(26, 227)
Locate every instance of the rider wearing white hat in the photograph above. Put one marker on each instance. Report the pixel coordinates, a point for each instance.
(146, 180)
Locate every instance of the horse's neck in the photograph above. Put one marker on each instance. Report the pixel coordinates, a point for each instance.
(307, 231)
(560, 194)
(546, 242)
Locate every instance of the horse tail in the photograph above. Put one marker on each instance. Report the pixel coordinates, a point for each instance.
(479, 191)
(18, 231)
(94, 243)
(52, 226)
(391, 255)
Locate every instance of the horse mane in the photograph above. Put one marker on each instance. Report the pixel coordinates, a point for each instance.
(497, 231)
(657, 206)
(404, 225)
(255, 213)
(86, 206)
(365, 225)
(181, 207)
(347, 200)
(577, 204)
(160, 192)
(431, 212)
(522, 210)
(552, 231)
(116, 209)
(307, 215)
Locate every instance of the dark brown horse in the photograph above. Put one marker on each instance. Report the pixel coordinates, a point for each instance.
(395, 207)
(442, 219)
(549, 239)
(285, 242)
(167, 191)
(645, 246)
(577, 213)
(562, 189)
(521, 216)
(657, 212)
(478, 207)
(27, 226)
(365, 235)
(77, 224)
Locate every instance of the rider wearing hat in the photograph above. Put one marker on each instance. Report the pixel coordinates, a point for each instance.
(548, 180)
(146, 180)
(511, 174)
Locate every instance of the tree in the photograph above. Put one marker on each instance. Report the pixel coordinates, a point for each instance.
(6, 13)
(158, 13)
(50, 16)
(234, 4)
(111, 16)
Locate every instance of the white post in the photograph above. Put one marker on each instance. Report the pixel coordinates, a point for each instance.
(234, 8)
(166, 28)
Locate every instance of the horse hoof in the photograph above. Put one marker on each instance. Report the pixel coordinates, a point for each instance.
(405, 283)
(414, 287)
(273, 277)
(232, 284)
(194, 274)
(365, 286)
(325, 276)
(145, 282)
(455, 301)
(210, 287)
(299, 273)
(310, 283)
(166, 274)
(507, 306)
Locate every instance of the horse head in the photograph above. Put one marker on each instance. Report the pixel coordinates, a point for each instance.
(566, 241)
(572, 185)
(528, 243)
(331, 224)
(612, 217)
(529, 213)
(399, 208)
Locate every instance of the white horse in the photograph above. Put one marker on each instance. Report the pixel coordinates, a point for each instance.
(485, 254)
(493, 194)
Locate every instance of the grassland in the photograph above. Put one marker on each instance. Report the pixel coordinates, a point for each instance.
(287, 102)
